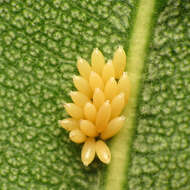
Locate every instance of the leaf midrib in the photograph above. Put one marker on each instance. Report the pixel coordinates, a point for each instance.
(120, 145)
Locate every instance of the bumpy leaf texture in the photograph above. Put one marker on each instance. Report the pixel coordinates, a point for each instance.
(160, 154)
(39, 45)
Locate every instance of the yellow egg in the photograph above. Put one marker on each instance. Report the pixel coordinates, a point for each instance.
(103, 116)
(103, 152)
(77, 136)
(90, 111)
(111, 89)
(95, 81)
(88, 151)
(108, 71)
(97, 61)
(119, 62)
(74, 111)
(124, 86)
(113, 127)
(82, 85)
(79, 98)
(83, 68)
(117, 105)
(98, 98)
(88, 128)
(69, 124)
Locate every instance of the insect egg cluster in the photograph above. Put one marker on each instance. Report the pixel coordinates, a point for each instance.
(102, 92)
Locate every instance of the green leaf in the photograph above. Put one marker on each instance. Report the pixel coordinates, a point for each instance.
(160, 153)
(39, 44)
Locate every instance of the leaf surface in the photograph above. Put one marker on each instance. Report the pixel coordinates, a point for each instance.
(39, 45)
(160, 149)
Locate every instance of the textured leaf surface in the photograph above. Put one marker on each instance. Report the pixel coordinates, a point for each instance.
(39, 44)
(160, 153)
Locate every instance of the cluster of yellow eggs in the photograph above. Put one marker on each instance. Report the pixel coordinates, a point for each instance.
(102, 92)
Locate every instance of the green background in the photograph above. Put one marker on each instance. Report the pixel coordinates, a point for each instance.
(39, 45)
